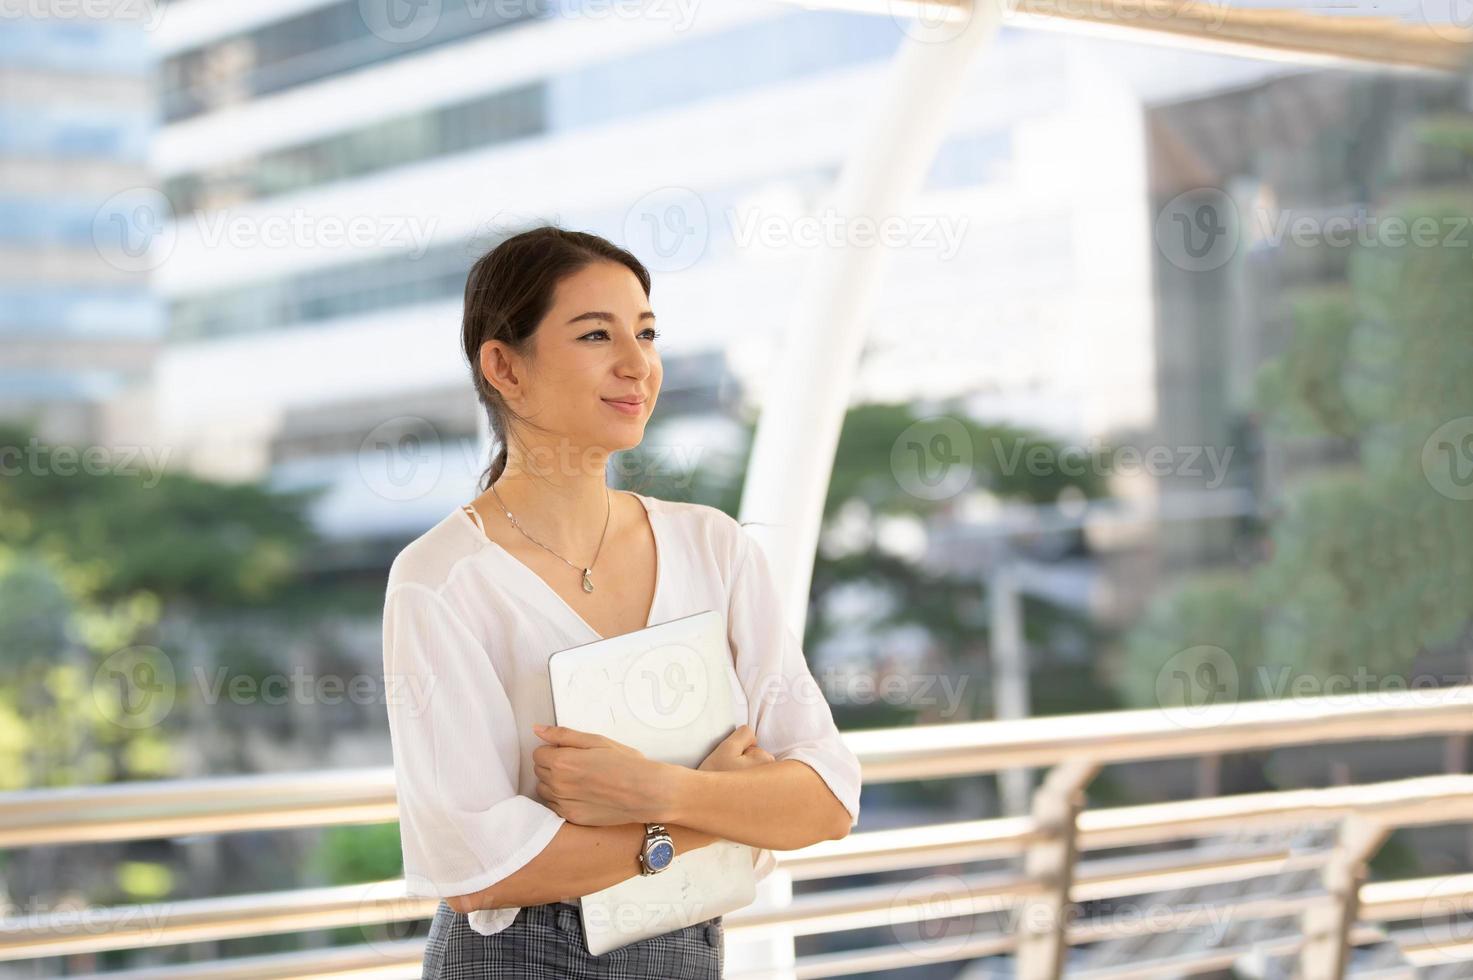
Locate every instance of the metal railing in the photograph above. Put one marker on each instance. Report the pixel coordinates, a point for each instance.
(1053, 844)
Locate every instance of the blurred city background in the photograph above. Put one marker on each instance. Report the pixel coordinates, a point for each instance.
(1165, 396)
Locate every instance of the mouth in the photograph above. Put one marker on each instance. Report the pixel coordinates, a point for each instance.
(627, 406)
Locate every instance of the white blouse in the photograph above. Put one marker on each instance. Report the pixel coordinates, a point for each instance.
(467, 632)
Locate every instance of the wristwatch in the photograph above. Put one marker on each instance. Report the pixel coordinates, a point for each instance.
(658, 850)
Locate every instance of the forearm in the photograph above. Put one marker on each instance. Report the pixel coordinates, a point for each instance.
(782, 806)
(577, 861)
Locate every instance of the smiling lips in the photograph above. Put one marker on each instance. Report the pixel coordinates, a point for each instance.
(627, 406)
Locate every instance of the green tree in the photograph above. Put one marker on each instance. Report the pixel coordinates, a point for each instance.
(951, 610)
(92, 557)
(1368, 564)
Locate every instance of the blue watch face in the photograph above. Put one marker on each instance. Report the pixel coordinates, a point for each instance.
(661, 855)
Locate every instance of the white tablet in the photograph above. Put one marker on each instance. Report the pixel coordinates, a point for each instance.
(669, 691)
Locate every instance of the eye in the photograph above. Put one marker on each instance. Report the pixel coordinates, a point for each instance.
(649, 330)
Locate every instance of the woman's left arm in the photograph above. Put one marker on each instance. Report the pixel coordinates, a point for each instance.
(808, 793)
(811, 792)
(740, 792)
(783, 805)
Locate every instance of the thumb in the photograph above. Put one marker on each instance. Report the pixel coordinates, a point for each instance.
(741, 736)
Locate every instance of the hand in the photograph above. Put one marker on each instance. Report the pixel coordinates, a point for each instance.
(739, 750)
(595, 781)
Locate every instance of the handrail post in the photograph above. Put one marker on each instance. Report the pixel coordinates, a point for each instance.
(1044, 916)
(1326, 950)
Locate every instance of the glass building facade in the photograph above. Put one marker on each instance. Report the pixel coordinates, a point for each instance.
(76, 118)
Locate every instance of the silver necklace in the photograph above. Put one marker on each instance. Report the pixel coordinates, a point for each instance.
(587, 579)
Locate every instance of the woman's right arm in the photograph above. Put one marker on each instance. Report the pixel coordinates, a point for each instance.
(577, 861)
(580, 860)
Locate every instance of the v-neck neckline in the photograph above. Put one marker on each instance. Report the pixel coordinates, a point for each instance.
(649, 511)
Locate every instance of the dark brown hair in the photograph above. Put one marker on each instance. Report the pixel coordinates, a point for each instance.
(509, 291)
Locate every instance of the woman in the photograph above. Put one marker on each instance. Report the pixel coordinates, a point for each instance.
(510, 824)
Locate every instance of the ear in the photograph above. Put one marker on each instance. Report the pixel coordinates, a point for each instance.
(499, 369)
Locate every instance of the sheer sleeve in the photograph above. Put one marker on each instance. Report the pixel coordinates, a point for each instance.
(462, 823)
(786, 707)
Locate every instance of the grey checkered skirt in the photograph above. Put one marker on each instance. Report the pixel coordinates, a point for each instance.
(546, 942)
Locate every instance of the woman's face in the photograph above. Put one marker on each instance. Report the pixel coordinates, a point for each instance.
(595, 345)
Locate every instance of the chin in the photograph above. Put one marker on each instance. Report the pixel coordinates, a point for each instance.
(617, 437)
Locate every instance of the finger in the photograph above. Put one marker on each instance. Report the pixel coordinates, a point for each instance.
(563, 735)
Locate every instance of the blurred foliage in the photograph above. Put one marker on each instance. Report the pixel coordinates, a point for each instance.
(1303, 391)
(1368, 561)
(863, 469)
(175, 535)
(144, 881)
(347, 855)
(55, 631)
(1186, 649)
(94, 552)
(354, 855)
(950, 610)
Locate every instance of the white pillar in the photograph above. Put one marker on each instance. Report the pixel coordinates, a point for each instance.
(1011, 693)
(808, 391)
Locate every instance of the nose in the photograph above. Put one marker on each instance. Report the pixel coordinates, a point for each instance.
(635, 362)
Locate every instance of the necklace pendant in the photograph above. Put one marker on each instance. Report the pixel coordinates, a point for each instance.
(587, 582)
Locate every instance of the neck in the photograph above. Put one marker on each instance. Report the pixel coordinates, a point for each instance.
(565, 511)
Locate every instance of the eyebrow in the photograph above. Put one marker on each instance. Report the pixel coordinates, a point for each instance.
(607, 317)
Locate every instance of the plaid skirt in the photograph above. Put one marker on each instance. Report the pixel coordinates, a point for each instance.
(546, 942)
